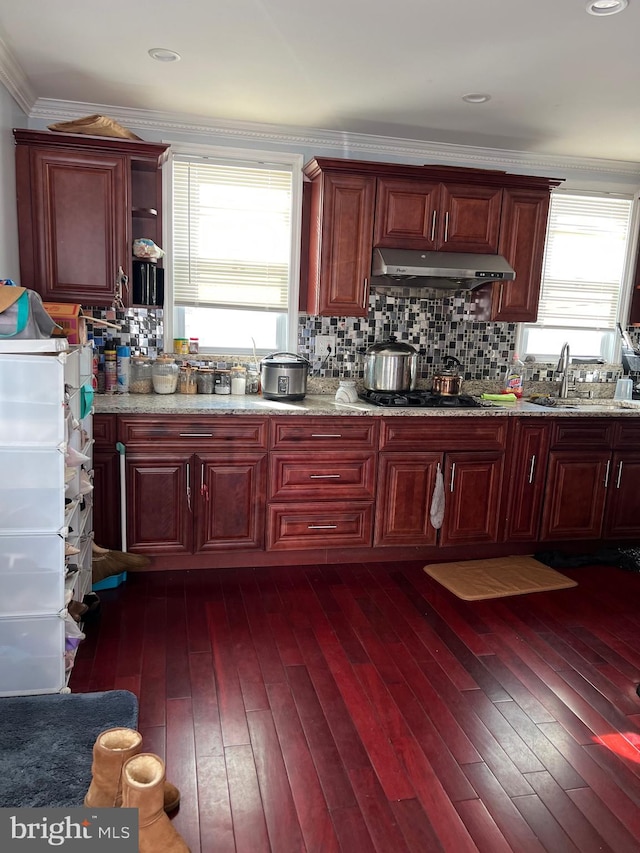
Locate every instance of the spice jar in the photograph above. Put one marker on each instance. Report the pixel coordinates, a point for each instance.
(222, 382)
(238, 380)
(140, 379)
(164, 375)
(187, 380)
(204, 380)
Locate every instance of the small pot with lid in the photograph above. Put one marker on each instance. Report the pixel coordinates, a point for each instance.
(390, 366)
(448, 382)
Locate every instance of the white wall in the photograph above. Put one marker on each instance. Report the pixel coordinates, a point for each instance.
(10, 116)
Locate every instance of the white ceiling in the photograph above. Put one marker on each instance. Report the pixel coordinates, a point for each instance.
(562, 82)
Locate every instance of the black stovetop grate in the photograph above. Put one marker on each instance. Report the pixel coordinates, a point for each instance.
(417, 399)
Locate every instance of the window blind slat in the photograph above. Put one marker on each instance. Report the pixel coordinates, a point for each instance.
(231, 235)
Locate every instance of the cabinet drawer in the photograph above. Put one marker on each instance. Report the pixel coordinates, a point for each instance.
(199, 432)
(626, 434)
(303, 526)
(582, 433)
(445, 433)
(105, 430)
(303, 433)
(324, 476)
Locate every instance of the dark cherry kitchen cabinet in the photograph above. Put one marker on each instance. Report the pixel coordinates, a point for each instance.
(356, 205)
(522, 239)
(340, 243)
(106, 483)
(182, 503)
(194, 485)
(529, 443)
(322, 483)
(470, 454)
(427, 215)
(592, 480)
(82, 200)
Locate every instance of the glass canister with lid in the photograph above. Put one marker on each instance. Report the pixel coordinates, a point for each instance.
(204, 380)
(187, 380)
(164, 374)
(140, 380)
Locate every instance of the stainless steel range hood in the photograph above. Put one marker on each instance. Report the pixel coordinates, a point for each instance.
(440, 270)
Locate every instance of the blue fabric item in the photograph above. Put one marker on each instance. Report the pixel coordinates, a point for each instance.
(46, 744)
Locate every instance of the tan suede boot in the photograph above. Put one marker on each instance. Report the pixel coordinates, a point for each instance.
(142, 788)
(110, 751)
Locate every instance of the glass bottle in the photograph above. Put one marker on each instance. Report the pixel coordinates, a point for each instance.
(204, 380)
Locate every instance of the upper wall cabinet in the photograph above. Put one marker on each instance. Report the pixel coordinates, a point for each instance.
(412, 214)
(358, 205)
(82, 200)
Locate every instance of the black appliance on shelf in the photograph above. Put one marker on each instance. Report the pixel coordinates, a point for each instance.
(415, 399)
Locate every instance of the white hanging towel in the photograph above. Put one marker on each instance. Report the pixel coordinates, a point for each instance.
(436, 515)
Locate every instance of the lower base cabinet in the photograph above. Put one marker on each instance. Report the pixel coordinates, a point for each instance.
(184, 503)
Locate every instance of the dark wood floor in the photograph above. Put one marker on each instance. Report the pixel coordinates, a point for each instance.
(364, 708)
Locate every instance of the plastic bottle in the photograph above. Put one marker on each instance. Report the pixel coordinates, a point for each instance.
(123, 368)
(514, 377)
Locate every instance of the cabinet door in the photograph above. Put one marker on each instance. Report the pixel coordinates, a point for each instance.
(623, 500)
(229, 499)
(160, 502)
(79, 234)
(106, 499)
(522, 239)
(341, 243)
(473, 485)
(405, 491)
(406, 214)
(527, 480)
(575, 494)
(469, 219)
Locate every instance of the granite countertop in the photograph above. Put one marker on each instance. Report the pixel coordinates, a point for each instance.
(325, 404)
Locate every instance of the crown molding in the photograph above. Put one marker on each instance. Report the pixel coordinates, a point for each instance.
(14, 80)
(356, 145)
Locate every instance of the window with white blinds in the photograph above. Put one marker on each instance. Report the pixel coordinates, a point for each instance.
(583, 276)
(231, 235)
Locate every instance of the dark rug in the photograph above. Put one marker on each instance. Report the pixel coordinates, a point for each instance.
(46, 744)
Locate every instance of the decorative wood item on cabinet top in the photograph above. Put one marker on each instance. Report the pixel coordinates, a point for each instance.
(82, 200)
(358, 205)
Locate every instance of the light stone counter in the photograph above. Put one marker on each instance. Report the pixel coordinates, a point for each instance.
(324, 404)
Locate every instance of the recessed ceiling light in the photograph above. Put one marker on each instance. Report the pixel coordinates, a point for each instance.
(161, 54)
(476, 98)
(606, 7)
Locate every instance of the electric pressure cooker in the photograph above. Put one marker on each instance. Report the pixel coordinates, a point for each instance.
(283, 376)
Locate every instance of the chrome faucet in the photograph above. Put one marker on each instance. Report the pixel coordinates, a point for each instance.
(563, 369)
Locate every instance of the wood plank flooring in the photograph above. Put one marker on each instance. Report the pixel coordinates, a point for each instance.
(364, 708)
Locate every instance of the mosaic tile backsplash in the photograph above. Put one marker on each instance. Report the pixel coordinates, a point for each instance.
(437, 326)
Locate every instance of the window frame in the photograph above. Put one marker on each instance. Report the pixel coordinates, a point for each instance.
(238, 156)
(624, 302)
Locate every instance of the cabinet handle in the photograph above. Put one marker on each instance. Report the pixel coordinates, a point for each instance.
(326, 435)
(446, 226)
(195, 435)
(188, 486)
(500, 298)
(433, 226)
(204, 489)
(606, 474)
(532, 468)
(619, 477)
(322, 526)
(453, 476)
(324, 476)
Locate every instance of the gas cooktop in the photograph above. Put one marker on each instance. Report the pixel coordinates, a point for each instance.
(416, 399)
